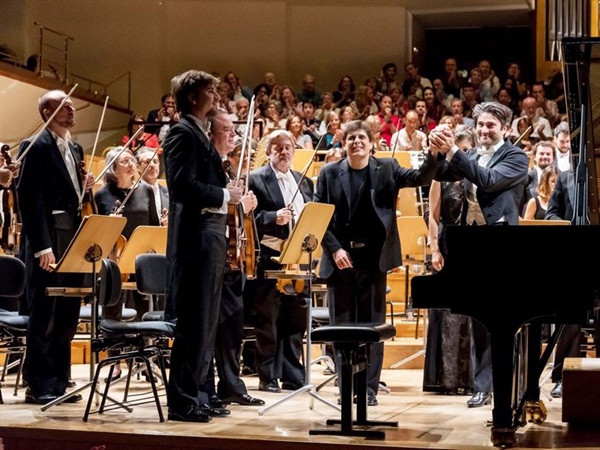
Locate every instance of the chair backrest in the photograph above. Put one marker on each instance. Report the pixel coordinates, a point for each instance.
(12, 276)
(110, 283)
(151, 273)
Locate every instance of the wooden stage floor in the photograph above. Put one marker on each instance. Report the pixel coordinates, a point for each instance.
(426, 420)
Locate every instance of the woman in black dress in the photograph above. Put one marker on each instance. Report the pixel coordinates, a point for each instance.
(448, 366)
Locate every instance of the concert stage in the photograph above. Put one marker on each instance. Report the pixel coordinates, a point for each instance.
(426, 420)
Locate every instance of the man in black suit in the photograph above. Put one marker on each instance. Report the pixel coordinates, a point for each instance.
(280, 318)
(362, 241)
(50, 189)
(196, 243)
(230, 329)
(494, 175)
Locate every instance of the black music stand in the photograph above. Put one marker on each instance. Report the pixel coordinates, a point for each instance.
(93, 241)
(298, 249)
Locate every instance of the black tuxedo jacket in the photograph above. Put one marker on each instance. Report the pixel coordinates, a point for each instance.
(45, 188)
(387, 177)
(195, 180)
(499, 185)
(560, 205)
(263, 182)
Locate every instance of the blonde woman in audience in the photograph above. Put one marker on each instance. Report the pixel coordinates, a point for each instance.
(334, 135)
(536, 207)
(363, 102)
(347, 115)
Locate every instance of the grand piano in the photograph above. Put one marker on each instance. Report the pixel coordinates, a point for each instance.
(496, 274)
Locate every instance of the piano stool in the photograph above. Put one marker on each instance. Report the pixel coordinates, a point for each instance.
(353, 341)
(581, 391)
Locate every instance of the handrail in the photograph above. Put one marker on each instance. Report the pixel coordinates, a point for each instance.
(94, 87)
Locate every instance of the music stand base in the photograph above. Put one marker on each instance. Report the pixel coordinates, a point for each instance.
(308, 388)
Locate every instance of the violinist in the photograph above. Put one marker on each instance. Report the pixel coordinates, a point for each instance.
(49, 188)
(140, 209)
(230, 328)
(8, 208)
(280, 318)
(146, 157)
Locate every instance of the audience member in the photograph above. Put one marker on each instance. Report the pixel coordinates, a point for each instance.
(489, 83)
(143, 139)
(309, 90)
(295, 125)
(544, 107)
(344, 95)
(409, 137)
(412, 72)
(389, 122)
(388, 76)
(166, 114)
(540, 127)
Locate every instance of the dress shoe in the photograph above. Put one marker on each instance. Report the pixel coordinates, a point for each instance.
(269, 386)
(214, 412)
(372, 399)
(192, 415)
(245, 399)
(42, 399)
(292, 385)
(215, 402)
(556, 392)
(479, 399)
(71, 383)
(72, 399)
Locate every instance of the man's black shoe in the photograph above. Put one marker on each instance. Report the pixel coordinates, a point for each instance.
(215, 402)
(245, 399)
(479, 399)
(214, 412)
(557, 390)
(292, 385)
(192, 415)
(42, 399)
(71, 383)
(372, 399)
(269, 386)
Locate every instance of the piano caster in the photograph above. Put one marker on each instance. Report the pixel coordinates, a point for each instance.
(536, 412)
(503, 437)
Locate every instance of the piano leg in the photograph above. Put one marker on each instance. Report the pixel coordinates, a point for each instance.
(504, 428)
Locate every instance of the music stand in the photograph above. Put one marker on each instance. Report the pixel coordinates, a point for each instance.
(144, 239)
(413, 237)
(93, 241)
(298, 249)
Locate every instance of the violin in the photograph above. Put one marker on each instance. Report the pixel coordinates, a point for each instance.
(236, 250)
(11, 228)
(88, 204)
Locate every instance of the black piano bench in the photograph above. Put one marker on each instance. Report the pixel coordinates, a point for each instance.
(352, 342)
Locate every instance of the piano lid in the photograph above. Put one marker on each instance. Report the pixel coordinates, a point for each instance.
(581, 71)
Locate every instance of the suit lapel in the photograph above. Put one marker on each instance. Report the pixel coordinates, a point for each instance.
(345, 181)
(373, 176)
(57, 158)
(273, 190)
(212, 152)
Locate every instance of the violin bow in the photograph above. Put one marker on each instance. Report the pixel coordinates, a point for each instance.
(82, 193)
(529, 128)
(46, 124)
(125, 147)
(247, 137)
(122, 205)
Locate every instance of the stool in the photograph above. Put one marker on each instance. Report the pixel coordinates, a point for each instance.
(353, 341)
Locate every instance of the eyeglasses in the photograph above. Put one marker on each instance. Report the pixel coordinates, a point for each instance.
(127, 161)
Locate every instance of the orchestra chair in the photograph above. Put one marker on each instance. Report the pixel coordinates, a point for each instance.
(151, 280)
(13, 326)
(353, 341)
(413, 233)
(130, 339)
